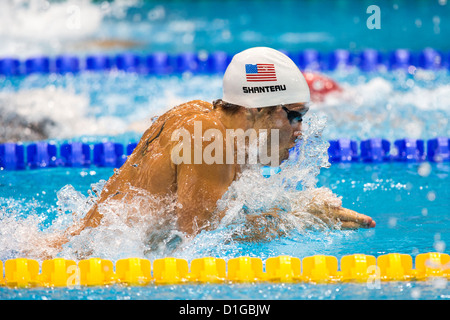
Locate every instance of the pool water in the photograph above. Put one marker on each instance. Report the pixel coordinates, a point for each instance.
(411, 210)
(266, 291)
(91, 106)
(231, 26)
(409, 202)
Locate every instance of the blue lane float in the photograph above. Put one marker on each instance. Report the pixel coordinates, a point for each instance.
(67, 64)
(310, 60)
(186, 62)
(401, 59)
(98, 62)
(12, 156)
(375, 150)
(75, 154)
(161, 63)
(128, 62)
(430, 59)
(41, 155)
(112, 154)
(409, 150)
(343, 150)
(37, 65)
(158, 63)
(130, 147)
(438, 149)
(339, 59)
(215, 62)
(10, 67)
(369, 60)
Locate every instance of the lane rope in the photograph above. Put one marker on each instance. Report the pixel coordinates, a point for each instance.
(162, 63)
(42, 154)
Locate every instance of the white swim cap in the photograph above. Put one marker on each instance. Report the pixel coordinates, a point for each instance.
(263, 77)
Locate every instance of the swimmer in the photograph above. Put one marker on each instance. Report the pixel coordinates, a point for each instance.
(103, 44)
(262, 89)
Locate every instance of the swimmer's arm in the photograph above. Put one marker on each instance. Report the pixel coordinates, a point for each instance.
(331, 215)
(54, 243)
(199, 187)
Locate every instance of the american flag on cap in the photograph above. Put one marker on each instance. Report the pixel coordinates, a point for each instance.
(260, 72)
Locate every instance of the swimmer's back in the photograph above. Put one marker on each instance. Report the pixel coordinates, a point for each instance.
(175, 118)
(150, 166)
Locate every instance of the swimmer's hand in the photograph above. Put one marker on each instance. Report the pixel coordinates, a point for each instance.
(340, 217)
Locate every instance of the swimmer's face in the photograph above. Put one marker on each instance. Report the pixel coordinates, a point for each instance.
(288, 120)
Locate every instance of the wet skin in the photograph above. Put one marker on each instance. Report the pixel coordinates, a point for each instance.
(197, 187)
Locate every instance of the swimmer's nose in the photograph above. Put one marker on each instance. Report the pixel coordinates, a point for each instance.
(297, 133)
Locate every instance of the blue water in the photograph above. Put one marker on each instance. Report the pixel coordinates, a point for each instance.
(411, 210)
(231, 26)
(288, 24)
(265, 291)
(409, 202)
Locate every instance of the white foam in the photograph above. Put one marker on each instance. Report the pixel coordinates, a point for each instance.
(377, 109)
(21, 235)
(39, 20)
(41, 26)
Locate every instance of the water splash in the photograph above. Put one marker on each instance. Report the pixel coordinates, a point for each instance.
(142, 227)
(146, 226)
(39, 27)
(21, 230)
(289, 192)
(52, 112)
(392, 106)
(388, 105)
(42, 107)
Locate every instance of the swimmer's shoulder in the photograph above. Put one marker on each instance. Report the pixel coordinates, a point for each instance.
(159, 134)
(194, 107)
(183, 116)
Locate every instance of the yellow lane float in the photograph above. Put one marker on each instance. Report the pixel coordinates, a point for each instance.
(25, 273)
